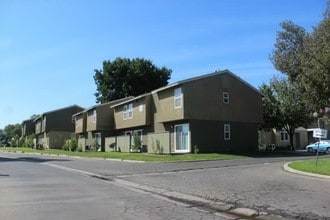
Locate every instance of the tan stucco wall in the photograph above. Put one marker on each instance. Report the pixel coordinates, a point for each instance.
(164, 142)
(164, 106)
(104, 118)
(82, 143)
(56, 139)
(123, 143)
(300, 138)
(38, 127)
(140, 118)
(110, 144)
(80, 123)
(90, 123)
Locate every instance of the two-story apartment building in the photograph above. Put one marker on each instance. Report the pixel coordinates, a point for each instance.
(214, 112)
(94, 124)
(27, 128)
(54, 127)
(133, 117)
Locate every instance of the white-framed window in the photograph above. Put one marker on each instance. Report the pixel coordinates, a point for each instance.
(141, 108)
(226, 132)
(177, 98)
(94, 116)
(125, 113)
(284, 136)
(130, 110)
(225, 97)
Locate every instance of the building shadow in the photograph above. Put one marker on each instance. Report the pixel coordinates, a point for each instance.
(30, 159)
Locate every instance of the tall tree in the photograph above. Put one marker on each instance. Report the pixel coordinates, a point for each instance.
(315, 77)
(288, 49)
(12, 130)
(305, 59)
(284, 107)
(11, 134)
(128, 77)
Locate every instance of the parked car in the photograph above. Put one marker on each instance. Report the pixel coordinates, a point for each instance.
(323, 146)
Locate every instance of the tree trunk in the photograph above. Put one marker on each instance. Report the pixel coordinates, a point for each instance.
(291, 133)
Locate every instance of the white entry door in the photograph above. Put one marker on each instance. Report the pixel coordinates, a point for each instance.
(182, 138)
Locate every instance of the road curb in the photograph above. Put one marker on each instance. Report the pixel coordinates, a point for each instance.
(291, 170)
(76, 157)
(227, 210)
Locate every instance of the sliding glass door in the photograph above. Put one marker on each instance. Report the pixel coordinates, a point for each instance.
(182, 138)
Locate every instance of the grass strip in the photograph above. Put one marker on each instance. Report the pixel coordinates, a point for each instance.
(310, 166)
(129, 156)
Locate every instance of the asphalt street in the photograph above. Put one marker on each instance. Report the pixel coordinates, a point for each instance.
(31, 190)
(257, 183)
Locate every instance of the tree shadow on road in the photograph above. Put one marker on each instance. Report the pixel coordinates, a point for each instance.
(30, 159)
(274, 154)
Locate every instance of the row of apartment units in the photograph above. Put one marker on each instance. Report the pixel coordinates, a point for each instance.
(215, 112)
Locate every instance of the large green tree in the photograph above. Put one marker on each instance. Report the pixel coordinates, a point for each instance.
(305, 58)
(284, 107)
(11, 134)
(128, 77)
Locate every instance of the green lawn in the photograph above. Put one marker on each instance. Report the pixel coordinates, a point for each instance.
(130, 156)
(310, 166)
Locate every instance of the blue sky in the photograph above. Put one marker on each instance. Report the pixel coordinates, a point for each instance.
(50, 48)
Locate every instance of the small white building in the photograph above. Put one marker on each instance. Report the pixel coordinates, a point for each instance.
(281, 139)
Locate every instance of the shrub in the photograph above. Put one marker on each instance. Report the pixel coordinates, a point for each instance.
(136, 146)
(95, 145)
(196, 150)
(28, 141)
(79, 148)
(158, 149)
(70, 145)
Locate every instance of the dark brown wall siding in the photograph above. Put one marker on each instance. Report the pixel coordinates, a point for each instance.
(61, 120)
(203, 99)
(104, 118)
(28, 128)
(208, 136)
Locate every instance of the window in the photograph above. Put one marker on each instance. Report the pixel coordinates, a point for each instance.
(94, 116)
(177, 98)
(44, 120)
(125, 113)
(128, 111)
(226, 132)
(140, 107)
(225, 97)
(284, 136)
